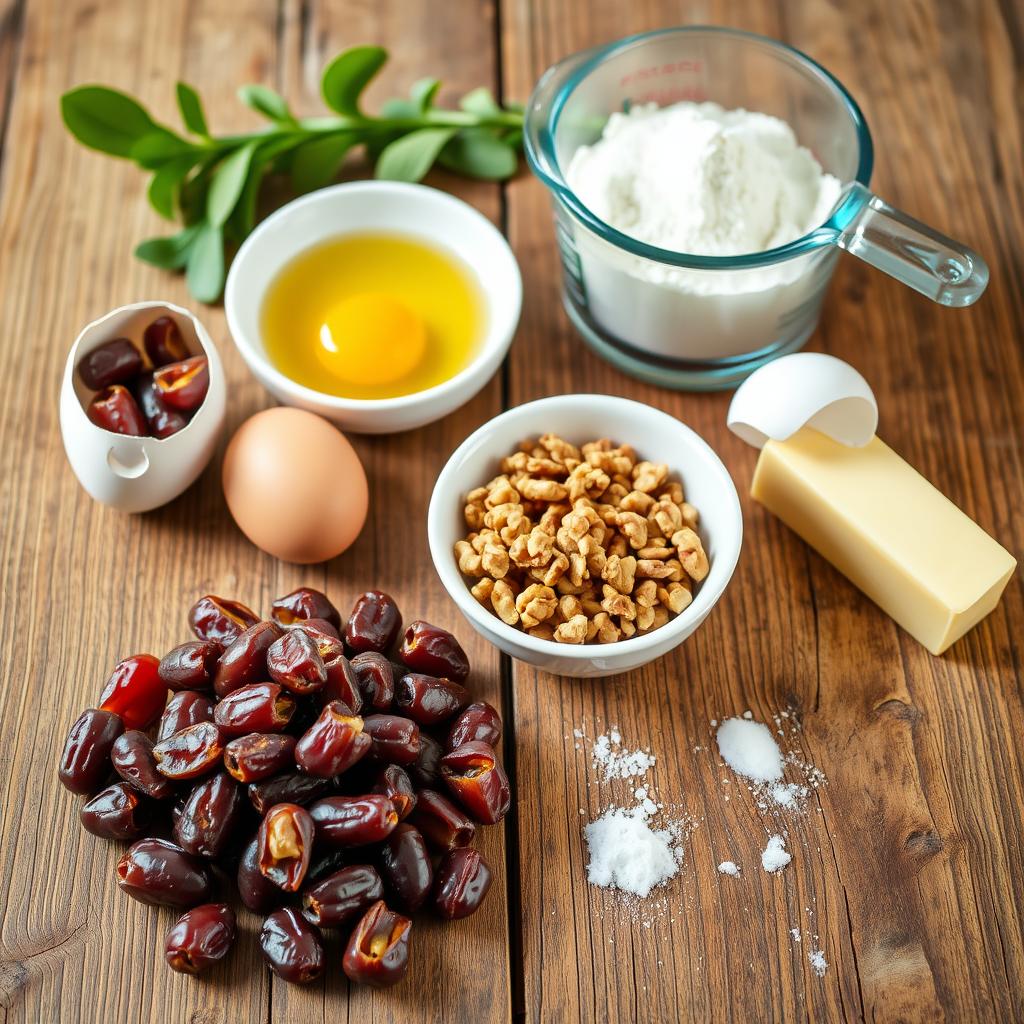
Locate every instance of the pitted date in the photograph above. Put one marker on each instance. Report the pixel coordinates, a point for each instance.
(292, 947)
(376, 679)
(135, 692)
(219, 619)
(285, 845)
(210, 816)
(245, 660)
(334, 742)
(428, 700)
(258, 756)
(378, 950)
(294, 661)
(304, 603)
(256, 891)
(463, 879)
(434, 652)
(161, 420)
(395, 784)
(117, 812)
(354, 820)
(441, 823)
(132, 758)
(164, 343)
(200, 938)
(425, 771)
(85, 761)
(474, 774)
(190, 666)
(374, 624)
(259, 707)
(183, 385)
(155, 871)
(342, 896)
(479, 722)
(287, 788)
(188, 707)
(114, 362)
(405, 867)
(395, 740)
(116, 410)
(190, 753)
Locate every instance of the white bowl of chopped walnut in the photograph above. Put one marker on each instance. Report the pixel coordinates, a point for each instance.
(585, 534)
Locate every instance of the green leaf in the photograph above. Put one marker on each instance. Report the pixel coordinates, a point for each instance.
(169, 253)
(316, 163)
(399, 109)
(480, 102)
(227, 183)
(158, 146)
(191, 107)
(205, 269)
(105, 119)
(410, 157)
(424, 92)
(163, 189)
(480, 153)
(266, 102)
(347, 76)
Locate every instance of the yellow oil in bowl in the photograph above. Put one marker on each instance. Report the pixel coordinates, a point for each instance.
(373, 316)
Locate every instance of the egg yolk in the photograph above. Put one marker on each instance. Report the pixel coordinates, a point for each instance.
(371, 338)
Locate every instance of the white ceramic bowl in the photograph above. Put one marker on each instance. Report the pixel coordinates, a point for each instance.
(136, 474)
(359, 206)
(657, 437)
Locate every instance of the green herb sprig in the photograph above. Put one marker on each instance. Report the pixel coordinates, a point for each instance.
(210, 184)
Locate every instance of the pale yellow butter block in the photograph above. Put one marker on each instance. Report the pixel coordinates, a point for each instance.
(888, 530)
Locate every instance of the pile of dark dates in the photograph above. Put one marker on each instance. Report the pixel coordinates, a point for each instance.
(152, 394)
(339, 773)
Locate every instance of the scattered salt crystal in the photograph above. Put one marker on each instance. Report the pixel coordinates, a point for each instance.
(749, 750)
(617, 763)
(788, 795)
(818, 962)
(727, 867)
(795, 932)
(627, 854)
(714, 723)
(748, 715)
(774, 856)
(578, 733)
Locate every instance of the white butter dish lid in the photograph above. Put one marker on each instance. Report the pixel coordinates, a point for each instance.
(806, 389)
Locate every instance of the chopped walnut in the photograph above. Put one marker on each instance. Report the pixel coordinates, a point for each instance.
(572, 632)
(536, 604)
(581, 544)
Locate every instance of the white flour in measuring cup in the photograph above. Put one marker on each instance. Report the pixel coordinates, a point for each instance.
(696, 178)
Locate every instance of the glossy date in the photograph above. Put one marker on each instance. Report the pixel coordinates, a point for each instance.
(291, 946)
(155, 871)
(200, 938)
(377, 953)
(85, 761)
(342, 895)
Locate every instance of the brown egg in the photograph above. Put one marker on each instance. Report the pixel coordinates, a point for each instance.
(295, 485)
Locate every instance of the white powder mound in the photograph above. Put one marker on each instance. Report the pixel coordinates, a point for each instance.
(749, 749)
(627, 854)
(818, 962)
(774, 856)
(696, 178)
(727, 867)
(617, 763)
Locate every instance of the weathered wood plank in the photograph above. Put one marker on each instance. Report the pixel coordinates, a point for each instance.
(83, 586)
(910, 866)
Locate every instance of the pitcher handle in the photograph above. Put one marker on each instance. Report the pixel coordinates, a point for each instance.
(945, 270)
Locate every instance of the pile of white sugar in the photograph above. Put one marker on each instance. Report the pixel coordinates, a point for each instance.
(699, 179)
(627, 854)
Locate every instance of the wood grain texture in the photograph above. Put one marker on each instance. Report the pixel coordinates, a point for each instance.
(89, 586)
(908, 867)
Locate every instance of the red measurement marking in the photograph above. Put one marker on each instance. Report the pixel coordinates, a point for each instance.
(679, 67)
(663, 97)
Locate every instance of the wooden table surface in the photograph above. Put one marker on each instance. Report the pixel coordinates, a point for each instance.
(907, 866)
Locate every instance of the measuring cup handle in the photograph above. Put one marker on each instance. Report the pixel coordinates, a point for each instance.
(893, 242)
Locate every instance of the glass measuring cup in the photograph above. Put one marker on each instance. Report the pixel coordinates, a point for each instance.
(704, 322)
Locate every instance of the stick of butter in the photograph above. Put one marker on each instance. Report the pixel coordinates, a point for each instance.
(866, 510)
